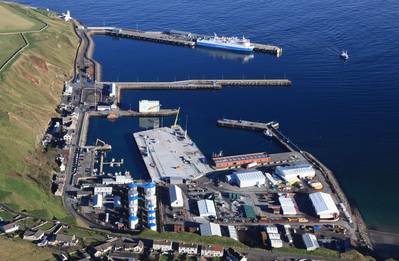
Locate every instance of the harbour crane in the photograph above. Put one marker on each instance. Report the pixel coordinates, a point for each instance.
(176, 119)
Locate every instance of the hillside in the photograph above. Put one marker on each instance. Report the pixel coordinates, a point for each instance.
(31, 85)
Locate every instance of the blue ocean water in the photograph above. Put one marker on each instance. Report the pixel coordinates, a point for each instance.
(345, 113)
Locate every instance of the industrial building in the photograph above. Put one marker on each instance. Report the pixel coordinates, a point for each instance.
(232, 232)
(324, 205)
(287, 205)
(210, 229)
(247, 178)
(206, 208)
(240, 160)
(294, 172)
(149, 106)
(176, 197)
(310, 241)
(103, 190)
(274, 237)
(98, 201)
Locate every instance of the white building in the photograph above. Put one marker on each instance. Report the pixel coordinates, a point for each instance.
(98, 201)
(212, 251)
(176, 197)
(210, 229)
(189, 249)
(123, 179)
(276, 243)
(103, 190)
(149, 106)
(206, 208)
(9, 228)
(103, 108)
(287, 205)
(232, 232)
(162, 245)
(247, 178)
(292, 173)
(324, 205)
(310, 241)
(271, 230)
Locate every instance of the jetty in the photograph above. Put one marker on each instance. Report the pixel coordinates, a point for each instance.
(171, 37)
(194, 85)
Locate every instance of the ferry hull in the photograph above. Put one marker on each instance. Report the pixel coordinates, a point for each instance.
(226, 47)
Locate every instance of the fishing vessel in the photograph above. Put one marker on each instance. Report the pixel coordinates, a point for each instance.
(344, 55)
(227, 43)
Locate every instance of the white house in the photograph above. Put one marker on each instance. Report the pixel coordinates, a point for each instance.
(9, 228)
(212, 251)
(189, 249)
(162, 245)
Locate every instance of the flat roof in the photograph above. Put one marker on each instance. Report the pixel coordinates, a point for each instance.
(249, 211)
(170, 153)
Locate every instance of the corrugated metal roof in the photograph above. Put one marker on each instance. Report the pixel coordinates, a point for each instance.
(210, 229)
(323, 203)
(206, 207)
(310, 241)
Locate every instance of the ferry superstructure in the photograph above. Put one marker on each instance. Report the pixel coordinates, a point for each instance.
(227, 43)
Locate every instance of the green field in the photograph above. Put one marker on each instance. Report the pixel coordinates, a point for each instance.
(10, 44)
(17, 249)
(31, 89)
(13, 19)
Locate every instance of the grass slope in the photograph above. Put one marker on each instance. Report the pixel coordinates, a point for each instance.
(13, 19)
(22, 250)
(30, 90)
(10, 44)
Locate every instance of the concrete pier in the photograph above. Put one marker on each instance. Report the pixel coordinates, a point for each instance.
(177, 38)
(195, 84)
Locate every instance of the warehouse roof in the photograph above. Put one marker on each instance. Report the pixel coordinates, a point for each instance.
(323, 203)
(206, 207)
(249, 175)
(310, 241)
(175, 194)
(287, 205)
(210, 229)
(291, 172)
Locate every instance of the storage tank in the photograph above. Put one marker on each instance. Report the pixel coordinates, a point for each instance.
(150, 188)
(133, 222)
(152, 226)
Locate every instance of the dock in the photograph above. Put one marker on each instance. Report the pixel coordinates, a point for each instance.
(196, 85)
(171, 37)
(169, 152)
(269, 129)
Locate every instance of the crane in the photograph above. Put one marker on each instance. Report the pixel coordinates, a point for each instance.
(176, 119)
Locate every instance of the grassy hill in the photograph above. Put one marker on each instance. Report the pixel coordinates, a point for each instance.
(23, 250)
(31, 86)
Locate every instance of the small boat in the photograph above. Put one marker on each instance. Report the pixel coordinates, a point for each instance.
(344, 55)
